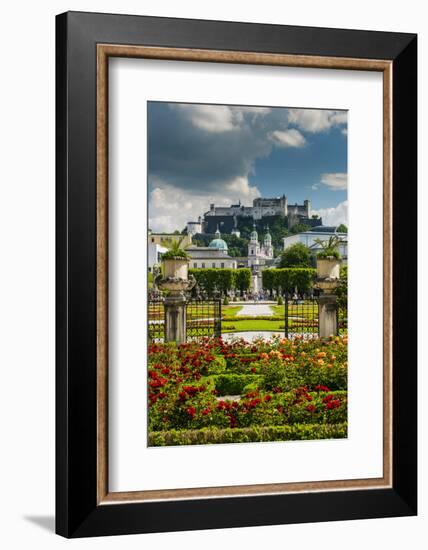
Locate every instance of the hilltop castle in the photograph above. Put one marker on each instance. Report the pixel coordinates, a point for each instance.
(226, 216)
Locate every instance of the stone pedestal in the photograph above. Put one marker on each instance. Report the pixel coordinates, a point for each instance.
(175, 318)
(327, 315)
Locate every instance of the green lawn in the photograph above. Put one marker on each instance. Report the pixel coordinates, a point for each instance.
(230, 311)
(304, 310)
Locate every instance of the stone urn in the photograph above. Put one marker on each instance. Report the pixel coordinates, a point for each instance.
(175, 276)
(175, 279)
(328, 268)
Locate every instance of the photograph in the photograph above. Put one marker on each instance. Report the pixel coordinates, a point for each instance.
(247, 259)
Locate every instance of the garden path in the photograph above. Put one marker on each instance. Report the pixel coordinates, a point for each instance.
(255, 310)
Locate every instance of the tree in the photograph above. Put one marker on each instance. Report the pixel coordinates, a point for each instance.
(342, 228)
(242, 279)
(297, 255)
(299, 228)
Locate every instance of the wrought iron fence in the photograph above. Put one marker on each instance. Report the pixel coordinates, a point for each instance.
(301, 317)
(203, 318)
(156, 319)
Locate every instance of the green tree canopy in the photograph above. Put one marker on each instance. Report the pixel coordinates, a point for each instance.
(299, 228)
(297, 255)
(342, 228)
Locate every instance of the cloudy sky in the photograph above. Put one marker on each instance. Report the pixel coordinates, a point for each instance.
(202, 154)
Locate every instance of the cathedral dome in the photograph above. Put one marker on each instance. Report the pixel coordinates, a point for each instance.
(218, 242)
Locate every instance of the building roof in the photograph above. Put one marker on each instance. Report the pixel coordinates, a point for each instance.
(324, 229)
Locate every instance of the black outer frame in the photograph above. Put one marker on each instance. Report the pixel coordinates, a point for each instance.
(77, 513)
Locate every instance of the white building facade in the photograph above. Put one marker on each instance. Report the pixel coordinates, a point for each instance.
(322, 233)
(213, 256)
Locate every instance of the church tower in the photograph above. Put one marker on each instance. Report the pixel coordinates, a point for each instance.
(267, 244)
(253, 245)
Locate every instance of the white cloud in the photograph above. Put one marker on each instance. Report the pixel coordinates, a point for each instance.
(211, 118)
(288, 138)
(335, 181)
(171, 208)
(316, 120)
(335, 215)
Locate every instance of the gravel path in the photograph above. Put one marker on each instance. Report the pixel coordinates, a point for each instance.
(254, 310)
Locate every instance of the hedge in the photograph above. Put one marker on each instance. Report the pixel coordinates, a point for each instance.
(205, 436)
(234, 384)
(209, 279)
(287, 279)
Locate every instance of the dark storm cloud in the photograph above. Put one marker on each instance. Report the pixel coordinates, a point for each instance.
(191, 149)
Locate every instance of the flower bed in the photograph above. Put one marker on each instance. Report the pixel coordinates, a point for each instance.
(277, 384)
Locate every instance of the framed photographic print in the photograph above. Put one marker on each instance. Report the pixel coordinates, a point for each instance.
(236, 274)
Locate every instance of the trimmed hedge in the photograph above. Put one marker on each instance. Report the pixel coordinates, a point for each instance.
(234, 384)
(232, 318)
(223, 279)
(289, 278)
(205, 436)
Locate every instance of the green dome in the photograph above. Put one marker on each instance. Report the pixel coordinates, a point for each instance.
(219, 244)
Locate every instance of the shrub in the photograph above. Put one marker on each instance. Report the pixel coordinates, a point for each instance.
(234, 384)
(248, 435)
(280, 301)
(225, 301)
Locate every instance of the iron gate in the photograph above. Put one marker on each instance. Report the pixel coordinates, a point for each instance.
(203, 318)
(301, 317)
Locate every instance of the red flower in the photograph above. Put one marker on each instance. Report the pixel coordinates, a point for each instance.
(311, 408)
(191, 411)
(333, 404)
(206, 411)
(253, 369)
(322, 388)
(267, 397)
(328, 398)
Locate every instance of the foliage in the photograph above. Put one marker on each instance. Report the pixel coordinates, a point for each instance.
(205, 436)
(224, 280)
(330, 247)
(226, 301)
(175, 251)
(342, 228)
(297, 255)
(242, 279)
(234, 384)
(299, 228)
(280, 301)
(342, 290)
(287, 279)
(280, 383)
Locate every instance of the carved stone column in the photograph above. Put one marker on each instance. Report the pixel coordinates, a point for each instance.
(327, 315)
(175, 318)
